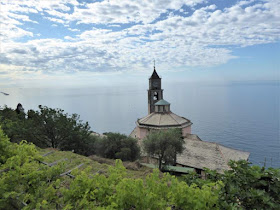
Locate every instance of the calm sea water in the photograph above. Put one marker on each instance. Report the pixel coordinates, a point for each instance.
(242, 116)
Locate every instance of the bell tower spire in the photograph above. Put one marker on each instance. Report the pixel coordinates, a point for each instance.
(155, 93)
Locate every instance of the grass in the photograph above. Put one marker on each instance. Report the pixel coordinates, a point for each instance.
(96, 164)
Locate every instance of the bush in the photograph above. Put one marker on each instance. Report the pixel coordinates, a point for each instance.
(5, 147)
(118, 146)
(245, 186)
(158, 191)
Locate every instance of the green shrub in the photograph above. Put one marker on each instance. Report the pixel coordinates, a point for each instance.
(245, 186)
(118, 146)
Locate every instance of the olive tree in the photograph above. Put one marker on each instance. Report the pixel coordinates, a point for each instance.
(164, 145)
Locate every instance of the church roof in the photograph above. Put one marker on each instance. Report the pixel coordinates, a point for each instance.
(162, 102)
(163, 120)
(155, 75)
(200, 154)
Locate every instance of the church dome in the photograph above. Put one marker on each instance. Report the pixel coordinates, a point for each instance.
(163, 120)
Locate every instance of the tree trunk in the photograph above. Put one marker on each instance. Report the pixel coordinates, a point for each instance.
(175, 159)
(160, 163)
(53, 144)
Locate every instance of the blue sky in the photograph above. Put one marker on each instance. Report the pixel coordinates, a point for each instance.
(82, 43)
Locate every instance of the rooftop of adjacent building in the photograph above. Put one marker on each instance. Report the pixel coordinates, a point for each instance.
(203, 154)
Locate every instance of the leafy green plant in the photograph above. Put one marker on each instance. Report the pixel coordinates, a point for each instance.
(245, 186)
(6, 149)
(157, 191)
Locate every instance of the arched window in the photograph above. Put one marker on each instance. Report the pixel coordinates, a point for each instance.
(155, 96)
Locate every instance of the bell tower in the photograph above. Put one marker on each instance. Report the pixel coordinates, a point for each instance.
(155, 93)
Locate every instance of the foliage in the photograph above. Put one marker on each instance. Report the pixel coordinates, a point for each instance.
(158, 191)
(59, 130)
(27, 184)
(48, 128)
(31, 185)
(23, 179)
(165, 145)
(118, 146)
(13, 124)
(6, 149)
(245, 186)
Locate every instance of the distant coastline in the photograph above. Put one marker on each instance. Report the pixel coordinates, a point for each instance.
(6, 94)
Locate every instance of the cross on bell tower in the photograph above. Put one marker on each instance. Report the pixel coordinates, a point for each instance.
(155, 93)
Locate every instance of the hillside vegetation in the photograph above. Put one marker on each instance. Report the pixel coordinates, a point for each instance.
(48, 127)
(28, 181)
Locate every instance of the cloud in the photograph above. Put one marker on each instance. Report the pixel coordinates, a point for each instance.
(73, 29)
(69, 38)
(128, 35)
(24, 18)
(17, 12)
(122, 11)
(55, 20)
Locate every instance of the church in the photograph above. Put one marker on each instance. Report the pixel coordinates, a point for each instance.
(159, 115)
(198, 154)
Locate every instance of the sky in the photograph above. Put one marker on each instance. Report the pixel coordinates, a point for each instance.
(93, 42)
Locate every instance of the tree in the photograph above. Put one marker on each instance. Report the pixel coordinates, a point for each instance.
(165, 145)
(13, 123)
(118, 146)
(48, 127)
(59, 130)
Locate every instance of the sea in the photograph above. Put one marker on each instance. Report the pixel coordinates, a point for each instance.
(240, 115)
